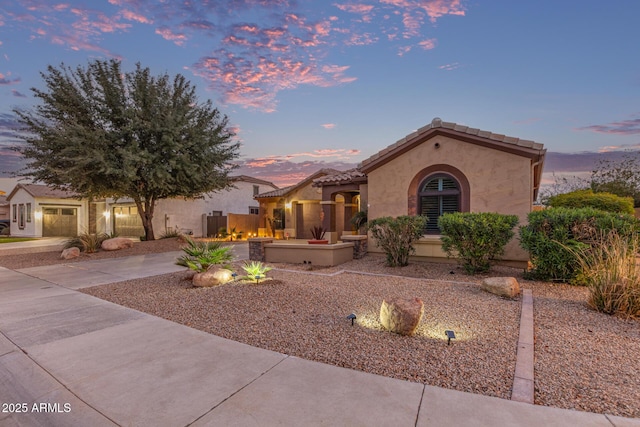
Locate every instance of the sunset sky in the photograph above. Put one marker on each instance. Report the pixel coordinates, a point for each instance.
(310, 84)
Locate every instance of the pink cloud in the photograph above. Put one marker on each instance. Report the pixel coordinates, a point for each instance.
(5, 80)
(255, 82)
(624, 127)
(329, 125)
(285, 172)
(355, 8)
(248, 64)
(168, 34)
(132, 16)
(427, 44)
(438, 8)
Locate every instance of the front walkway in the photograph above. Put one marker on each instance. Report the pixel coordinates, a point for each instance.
(99, 364)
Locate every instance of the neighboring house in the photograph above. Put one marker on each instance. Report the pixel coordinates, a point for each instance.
(442, 167)
(40, 211)
(5, 222)
(292, 211)
(205, 216)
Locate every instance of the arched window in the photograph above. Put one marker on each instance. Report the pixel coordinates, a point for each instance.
(438, 194)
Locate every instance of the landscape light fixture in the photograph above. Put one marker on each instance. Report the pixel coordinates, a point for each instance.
(352, 317)
(257, 278)
(450, 335)
(234, 275)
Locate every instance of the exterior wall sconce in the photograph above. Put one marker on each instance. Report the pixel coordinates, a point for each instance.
(287, 205)
(106, 215)
(38, 214)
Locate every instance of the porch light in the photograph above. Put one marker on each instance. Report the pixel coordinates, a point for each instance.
(106, 215)
(352, 317)
(287, 205)
(38, 214)
(450, 335)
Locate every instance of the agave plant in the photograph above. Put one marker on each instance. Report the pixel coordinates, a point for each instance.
(318, 233)
(202, 255)
(255, 270)
(87, 242)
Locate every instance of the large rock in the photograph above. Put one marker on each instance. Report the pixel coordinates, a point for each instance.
(117, 243)
(70, 253)
(210, 278)
(507, 287)
(401, 315)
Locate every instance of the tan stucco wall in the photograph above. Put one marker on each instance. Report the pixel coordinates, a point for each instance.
(499, 182)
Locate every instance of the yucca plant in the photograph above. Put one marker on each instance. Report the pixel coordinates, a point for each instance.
(86, 242)
(611, 272)
(255, 270)
(202, 255)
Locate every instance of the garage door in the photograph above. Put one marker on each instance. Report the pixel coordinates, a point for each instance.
(59, 222)
(127, 222)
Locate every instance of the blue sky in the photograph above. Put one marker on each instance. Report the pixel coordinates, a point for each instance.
(310, 84)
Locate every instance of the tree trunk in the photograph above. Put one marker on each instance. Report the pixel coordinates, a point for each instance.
(146, 214)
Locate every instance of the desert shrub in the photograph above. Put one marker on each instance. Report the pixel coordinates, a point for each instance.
(202, 255)
(587, 198)
(170, 233)
(476, 238)
(255, 270)
(612, 274)
(86, 242)
(396, 235)
(554, 235)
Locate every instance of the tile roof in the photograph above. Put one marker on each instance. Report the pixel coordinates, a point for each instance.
(281, 192)
(438, 124)
(40, 190)
(346, 177)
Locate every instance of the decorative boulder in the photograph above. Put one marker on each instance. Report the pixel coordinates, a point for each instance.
(507, 287)
(401, 315)
(211, 278)
(117, 243)
(70, 253)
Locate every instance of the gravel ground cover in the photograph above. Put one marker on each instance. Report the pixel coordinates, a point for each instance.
(584, 360)
(306, 316)
(36, 257)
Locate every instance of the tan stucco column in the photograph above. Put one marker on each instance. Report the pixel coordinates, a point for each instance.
(329, 220)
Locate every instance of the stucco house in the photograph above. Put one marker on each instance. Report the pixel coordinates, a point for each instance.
(292, 211)
(39, 211)
(442, 167)
(201, 217)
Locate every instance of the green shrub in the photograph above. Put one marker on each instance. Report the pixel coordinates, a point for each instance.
(86, 242)
(396, 235)
(612, 274)
(202, 255)
(587, 198)
(476, 238)
(554, 235)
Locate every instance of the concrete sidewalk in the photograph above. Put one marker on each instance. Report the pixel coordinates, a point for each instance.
(100, 364)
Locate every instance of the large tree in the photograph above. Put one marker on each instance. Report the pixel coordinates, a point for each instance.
(620, 177)
(102, 132)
